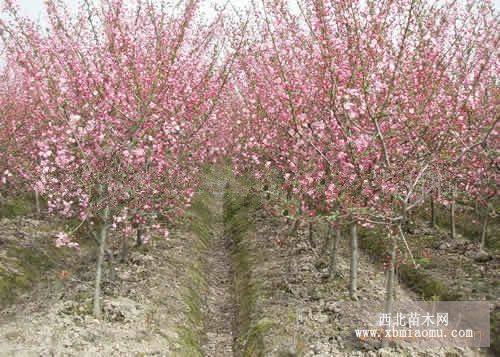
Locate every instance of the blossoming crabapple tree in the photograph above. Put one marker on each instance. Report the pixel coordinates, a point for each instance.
(357, 103)
(6, 111)
(16, 160)
(120, 95)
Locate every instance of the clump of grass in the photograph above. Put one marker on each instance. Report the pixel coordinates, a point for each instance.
(16, 206)
(26, 265)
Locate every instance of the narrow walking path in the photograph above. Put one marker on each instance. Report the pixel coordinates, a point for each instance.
(220, 302)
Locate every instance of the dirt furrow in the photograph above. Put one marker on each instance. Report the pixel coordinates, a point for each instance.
(220, 302)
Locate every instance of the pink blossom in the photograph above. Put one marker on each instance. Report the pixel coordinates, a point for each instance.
(63, 240)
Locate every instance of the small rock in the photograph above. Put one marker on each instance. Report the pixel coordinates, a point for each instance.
(331, 307)
(325, 275)
(314, 349)
(124, 275)
(300, 249)
(314, 294)
(444, 246)
(320, 265)
(120, 309)
(322, 318)
(469, 253)
(289, 352)
(412, 229)
(482, 257)
(305, 267)
(385, 352)
(436, 245)
(140, 259)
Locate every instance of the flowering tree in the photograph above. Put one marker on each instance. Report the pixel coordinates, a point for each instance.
(120, 97)
(6, 105)
(359, 105)
(16, 162)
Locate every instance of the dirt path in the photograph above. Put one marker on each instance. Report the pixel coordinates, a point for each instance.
(220, 303)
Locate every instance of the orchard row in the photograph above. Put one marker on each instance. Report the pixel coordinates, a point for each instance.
(360, 111)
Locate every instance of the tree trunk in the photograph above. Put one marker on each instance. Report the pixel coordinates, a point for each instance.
(327, 240)
(484, 229)
(111, 268)
(138, 241)
(333, 252)
(433, 212)
(311, 238)
(100, 259)
(404, 222)
(2, 201)
(354, 262)
(294, 229)
(452, 215)
(390, 287)
(124, 250)
(37, 204)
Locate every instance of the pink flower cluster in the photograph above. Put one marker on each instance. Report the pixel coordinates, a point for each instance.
(63, 240)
